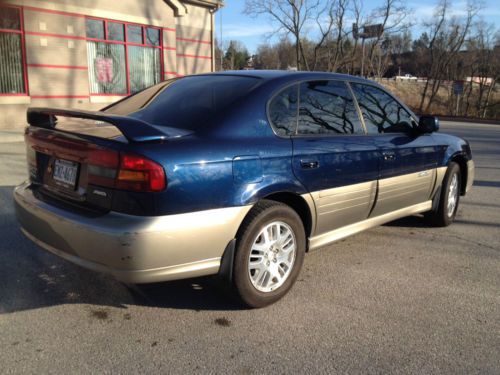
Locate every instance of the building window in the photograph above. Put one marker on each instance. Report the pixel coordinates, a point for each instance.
(122, 58)
(12, 69)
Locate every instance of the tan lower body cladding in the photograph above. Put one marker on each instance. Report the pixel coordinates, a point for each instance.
(343, 211)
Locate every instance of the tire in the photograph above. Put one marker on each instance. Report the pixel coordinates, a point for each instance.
(445, 211)
(267, 266)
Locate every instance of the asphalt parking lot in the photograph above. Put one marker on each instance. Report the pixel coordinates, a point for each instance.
(401, 298)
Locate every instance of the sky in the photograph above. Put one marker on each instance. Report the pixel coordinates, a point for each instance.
(255, 31)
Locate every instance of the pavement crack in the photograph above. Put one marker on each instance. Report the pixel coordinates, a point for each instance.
(474, 242)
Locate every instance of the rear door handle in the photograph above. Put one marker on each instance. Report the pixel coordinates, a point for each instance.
(309, 164)
(388, 156)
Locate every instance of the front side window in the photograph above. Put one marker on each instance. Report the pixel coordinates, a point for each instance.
(381, 112)
(120, 59)
(327, 107)
(283, 111)
(11, 56)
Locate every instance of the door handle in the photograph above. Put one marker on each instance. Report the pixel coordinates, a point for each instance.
(388, 156)
(309, 164)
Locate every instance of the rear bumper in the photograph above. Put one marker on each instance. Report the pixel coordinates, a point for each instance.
(470, 175)
(134, 249)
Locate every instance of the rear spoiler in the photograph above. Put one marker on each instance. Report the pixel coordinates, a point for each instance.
(134, 130)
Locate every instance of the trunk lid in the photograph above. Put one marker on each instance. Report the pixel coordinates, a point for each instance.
(77, 156)
(60, 165)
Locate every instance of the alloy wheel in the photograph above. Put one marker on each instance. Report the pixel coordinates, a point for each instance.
(272, 256)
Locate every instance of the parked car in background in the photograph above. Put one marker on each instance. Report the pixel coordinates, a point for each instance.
(234, 173)
(406, 77)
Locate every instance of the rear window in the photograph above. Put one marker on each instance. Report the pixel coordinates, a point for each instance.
(187, 103)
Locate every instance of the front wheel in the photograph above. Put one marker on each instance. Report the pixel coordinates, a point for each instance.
(449, 197)
(269, 253)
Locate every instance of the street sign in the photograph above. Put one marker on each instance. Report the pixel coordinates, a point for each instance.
(373, 31)
(369, 31)
(458, 87)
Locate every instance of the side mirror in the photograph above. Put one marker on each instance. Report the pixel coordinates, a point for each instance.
(428, 124)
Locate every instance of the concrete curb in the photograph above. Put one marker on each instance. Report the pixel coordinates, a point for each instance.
(466, 123)
(466, 120)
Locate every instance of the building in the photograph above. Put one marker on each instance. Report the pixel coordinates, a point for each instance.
(88, 53)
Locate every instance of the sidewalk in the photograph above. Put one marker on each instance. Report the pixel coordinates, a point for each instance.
(11, 136)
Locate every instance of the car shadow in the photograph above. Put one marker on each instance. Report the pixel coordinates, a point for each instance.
(416, 221)
(204, 293)
(31, 278)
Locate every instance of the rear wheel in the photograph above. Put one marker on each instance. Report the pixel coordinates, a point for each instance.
(446, 210)
(269, 253)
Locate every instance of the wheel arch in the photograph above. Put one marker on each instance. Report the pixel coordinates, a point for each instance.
(461, 160)
(300, 205)
(303, 205)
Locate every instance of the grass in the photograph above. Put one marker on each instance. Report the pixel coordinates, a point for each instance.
(445, 102)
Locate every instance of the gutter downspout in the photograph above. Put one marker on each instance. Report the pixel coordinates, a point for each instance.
(212, 40)
(212, 31)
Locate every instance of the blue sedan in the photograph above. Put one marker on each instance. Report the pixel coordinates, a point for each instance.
(235, 173)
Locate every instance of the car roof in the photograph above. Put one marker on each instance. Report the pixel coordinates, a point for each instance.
(284, 76)
(269, 75)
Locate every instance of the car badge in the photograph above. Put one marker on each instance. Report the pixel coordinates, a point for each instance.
(100, 193)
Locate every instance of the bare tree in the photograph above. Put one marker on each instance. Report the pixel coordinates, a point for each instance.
(329, 21)
(446, 38)
(267, 57)
(328, 18)
(486, 61)
(392, 15)
(334, 36)
(290, 17)
(354, 55)
(317, 35)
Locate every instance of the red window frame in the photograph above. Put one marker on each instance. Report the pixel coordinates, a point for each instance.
(126, 43)
(23, 50)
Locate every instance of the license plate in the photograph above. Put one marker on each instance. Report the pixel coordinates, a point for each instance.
(65, 172)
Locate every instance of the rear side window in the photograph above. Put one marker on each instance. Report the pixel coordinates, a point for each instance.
(381, 112)
(283, 111)
(187, 103)
(327, 107)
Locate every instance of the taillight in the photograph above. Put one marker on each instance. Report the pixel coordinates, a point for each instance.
(102, 166)
(125, 171)
(139, 174)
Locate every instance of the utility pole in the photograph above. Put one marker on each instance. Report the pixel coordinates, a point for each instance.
(362, 57)
(458, 90)
(297, 40)
(221, 52)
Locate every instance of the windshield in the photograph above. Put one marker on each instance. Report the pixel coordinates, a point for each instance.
(187, 103)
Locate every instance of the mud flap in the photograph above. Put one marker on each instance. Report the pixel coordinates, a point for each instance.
(227, 262)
